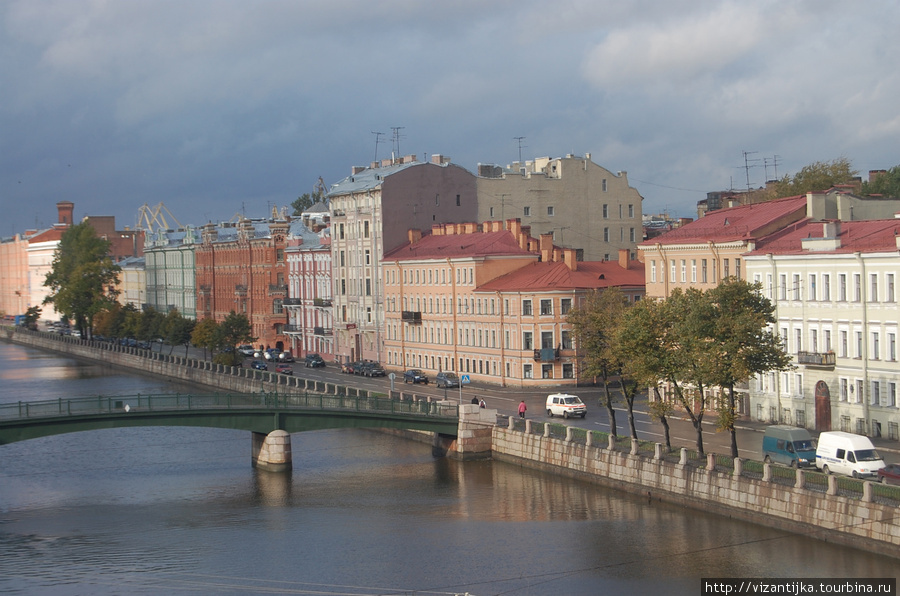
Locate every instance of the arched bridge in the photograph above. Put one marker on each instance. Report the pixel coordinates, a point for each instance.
(259, 413)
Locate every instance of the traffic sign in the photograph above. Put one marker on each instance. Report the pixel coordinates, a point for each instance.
(465, 380)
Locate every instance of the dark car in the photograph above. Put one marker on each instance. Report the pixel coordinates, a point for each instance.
(414, 375)
(447, 379)
(285, 369)
(890, 474)
(286, 357)
(373, 369)
(314, 361)
(259, 365)
(359, 367)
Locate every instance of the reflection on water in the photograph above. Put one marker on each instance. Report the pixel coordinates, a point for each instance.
(182, 511)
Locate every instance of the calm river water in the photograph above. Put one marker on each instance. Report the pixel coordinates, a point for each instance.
(181, 511)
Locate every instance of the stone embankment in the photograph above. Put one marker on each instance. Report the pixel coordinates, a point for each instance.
(809, 503)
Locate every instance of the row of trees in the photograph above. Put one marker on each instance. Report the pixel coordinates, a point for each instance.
(690, 343)
(822, 175)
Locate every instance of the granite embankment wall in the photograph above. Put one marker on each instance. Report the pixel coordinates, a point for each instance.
(858, 522)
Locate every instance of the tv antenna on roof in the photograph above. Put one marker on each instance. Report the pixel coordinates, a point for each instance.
(396, 138)
(378, 136)
(747, 166)
(519, 141)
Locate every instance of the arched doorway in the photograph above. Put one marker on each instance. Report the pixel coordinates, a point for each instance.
(823, 407)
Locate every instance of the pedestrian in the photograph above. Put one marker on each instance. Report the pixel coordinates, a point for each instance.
(481, 404)
(522, 409)
(475, 400)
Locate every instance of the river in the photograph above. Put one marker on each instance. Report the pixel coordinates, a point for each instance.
(182, 511)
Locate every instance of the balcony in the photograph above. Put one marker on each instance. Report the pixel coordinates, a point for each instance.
(292, 302)
(277, 289)
(816, 359)
(292, 328)
(322, 331)
(546, 355)
(321, 302)
(412, 317)
(240, 290)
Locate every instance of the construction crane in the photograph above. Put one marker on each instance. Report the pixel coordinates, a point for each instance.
(319, 190)
(151, 219)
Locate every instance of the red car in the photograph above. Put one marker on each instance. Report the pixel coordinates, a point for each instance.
(285, 369)
(890, 474)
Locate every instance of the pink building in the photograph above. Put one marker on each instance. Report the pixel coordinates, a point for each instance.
(310, 327)
(490, 301)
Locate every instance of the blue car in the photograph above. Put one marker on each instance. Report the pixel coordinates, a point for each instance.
(259, 365)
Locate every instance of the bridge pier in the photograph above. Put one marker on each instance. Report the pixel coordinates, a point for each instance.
(473, 439)
(272, 452)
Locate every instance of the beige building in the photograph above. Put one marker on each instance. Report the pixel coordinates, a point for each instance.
(371, 213)
(582, 204)
(132, 283)
(490, 301)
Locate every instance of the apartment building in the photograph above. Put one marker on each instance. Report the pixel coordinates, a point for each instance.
(170, 270)
(310, 326)
(490, 301)
(834, 287)
(371, 213)
(581, 204)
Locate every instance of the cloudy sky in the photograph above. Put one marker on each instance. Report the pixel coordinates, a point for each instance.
(215, 107)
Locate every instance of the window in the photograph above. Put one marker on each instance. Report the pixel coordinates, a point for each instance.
(565, 305)
(874, 398)
(546, 307)
(703, 271)
(828, 340)
(631, 235)
(889, 283)
(279, 255)
(892, 347)
(526, 211)
(672, 270)
(603, 185)
(527, 340)
(859, 344)
(892, 395)
(527, 371)
(605, 211)
(845, 396)
(782, 287)
(724, 268)
(566, 340)
(812, 287)
(844, 342)
(526, 307)
(568, 371)
(693, 270)
(630, 210)
(546, 339)
(366, 229)
(458, 201)
(368, 257)
(341, 231)
(842, 287)
(876, 346)
(798, 339)
(652, 271)
(550, 211)
(737, 268)
(606, 234)
(857, 287)
(683, 271)
(277, 306)
(873, 287)
(368, 287)
(826, 287)
(796, 287)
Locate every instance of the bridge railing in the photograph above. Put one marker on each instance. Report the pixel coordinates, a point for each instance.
(271, 401)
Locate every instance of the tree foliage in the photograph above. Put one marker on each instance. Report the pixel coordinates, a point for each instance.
(82, 277)
(177, 330)
(886, 184)
(815, 177)
(306, 200)
(32, 316)
(204, 335)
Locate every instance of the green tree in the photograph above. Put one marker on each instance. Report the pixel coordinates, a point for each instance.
(594, 324)
(231, 332)
(307, 200)
(204, 335)
(887, 184)
(741, 345)
(817, 176)
(32, 316)
(177, 330)
(82, 277)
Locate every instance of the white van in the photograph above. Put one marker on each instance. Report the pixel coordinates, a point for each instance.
(565, 405)
(849, 454)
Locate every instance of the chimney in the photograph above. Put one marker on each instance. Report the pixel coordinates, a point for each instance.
(437, 230)
(415, 235)
(470, 227)
(64, 210)
(356, 170)
(831, 229)
(569, 259)
(515, 227)
(623, 258)
(546, 245)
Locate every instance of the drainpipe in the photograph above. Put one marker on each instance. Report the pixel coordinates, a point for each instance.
(865, 339)
(775, 301)
(455, 308)
(502, 342)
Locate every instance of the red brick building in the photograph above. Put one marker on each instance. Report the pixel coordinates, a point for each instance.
(241, 267)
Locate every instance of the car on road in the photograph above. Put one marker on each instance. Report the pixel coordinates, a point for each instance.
(313, 361)
(286, 357)
(890, 474)
(259, 365)
(373, 369)
(565, 405)
(285, 369)
(414, 375)
(447, 379)
(246, 349)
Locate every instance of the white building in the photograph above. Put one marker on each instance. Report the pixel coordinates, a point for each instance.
(833, 285)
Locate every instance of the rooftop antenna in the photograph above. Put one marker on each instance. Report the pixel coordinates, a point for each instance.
(378, 136)
(519, 141)
(396, 138)
(747, 166)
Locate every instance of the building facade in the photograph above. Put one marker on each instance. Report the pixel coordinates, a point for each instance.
(310, 327)
(580, 203)
(834, 287)
(371, 213)
(171, 270)
(132, 284)
(15, 291)
(490, 301)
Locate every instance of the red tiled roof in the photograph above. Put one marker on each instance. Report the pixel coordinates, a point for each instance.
(478, 244)
(876, 235)
(557, 276)
(744, 222)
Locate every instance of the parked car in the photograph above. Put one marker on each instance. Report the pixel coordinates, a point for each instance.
(414, 375)
(447, 379)
(246, 349)
(359, 367)
(845, 453)
(788, 445)
(314, 361)
(373, 369)
(347, 367)
(890, 474)
(565, 405)
(285, 369)
(286, 357)
(259, 365)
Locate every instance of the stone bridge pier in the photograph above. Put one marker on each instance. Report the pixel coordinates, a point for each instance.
(272, 452)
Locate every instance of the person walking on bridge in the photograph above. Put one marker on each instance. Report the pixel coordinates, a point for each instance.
(522, 409)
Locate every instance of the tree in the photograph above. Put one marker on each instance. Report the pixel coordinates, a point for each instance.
(233, 331)
(177, 330)
(32, 316)
(204, 335)
(886, 184)
(742, 345)
(594, 324)
(307, 200)
(817, 176)
(82, 277)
